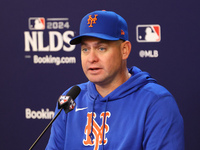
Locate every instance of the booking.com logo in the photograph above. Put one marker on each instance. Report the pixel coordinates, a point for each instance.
(39, 114)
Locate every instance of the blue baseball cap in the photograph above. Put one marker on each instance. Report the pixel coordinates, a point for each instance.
(105, 25)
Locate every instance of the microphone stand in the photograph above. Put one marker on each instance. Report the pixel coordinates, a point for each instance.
(64, 102)
(45, 129)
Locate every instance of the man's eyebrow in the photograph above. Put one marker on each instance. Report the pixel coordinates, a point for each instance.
(82, 43)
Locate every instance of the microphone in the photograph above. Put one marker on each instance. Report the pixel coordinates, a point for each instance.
(65, 102)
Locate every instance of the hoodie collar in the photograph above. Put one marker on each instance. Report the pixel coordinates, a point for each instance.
(137, 80)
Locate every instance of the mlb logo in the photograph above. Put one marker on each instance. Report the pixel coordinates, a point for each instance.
(148, 33)
(63, 99)
(36, 23)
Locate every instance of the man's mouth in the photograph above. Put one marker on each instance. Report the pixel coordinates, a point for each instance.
(93, 69)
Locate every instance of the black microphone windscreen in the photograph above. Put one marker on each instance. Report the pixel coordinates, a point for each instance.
(73, 92)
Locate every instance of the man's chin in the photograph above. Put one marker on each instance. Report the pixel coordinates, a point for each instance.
(95, 80)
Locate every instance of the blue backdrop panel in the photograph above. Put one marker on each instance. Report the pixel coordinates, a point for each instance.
(38, 64)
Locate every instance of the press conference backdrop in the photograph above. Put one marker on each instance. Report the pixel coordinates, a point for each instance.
(38, 64)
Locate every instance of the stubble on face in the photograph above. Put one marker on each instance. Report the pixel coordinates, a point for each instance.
(101, 60)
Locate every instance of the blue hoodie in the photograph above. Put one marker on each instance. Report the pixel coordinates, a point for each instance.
(139, 114)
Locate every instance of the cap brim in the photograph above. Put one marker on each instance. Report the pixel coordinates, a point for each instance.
(77, 39)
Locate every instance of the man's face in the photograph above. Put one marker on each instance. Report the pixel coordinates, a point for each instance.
(101, 60)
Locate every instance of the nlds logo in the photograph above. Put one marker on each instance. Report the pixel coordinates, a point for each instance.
(36, 23)
(148, 33)
(63, 99)
(48, 35)
(57, 40)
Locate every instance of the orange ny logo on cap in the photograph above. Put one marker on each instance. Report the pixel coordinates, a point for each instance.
(91, 20)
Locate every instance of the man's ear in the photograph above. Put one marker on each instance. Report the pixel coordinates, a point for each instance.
(126, 49)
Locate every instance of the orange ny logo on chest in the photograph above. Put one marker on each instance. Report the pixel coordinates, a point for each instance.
(99, 132)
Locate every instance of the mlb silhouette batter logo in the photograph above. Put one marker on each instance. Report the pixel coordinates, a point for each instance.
(148, 33)
(98, 131)
(36, 23)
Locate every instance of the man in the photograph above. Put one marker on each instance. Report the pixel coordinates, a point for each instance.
(118, 108)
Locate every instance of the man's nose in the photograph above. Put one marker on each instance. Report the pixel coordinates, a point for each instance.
(93, 57)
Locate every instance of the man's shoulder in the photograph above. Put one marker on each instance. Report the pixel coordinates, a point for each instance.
(84, 85)
(156, 89)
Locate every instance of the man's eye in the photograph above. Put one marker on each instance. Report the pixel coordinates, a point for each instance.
(84, 49)
(101, 49)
